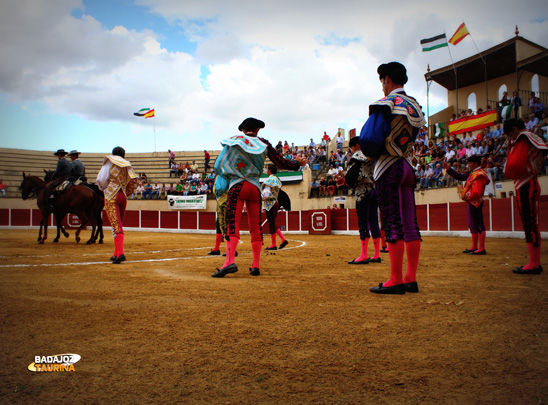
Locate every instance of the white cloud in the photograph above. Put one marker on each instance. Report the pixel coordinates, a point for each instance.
(303, 67)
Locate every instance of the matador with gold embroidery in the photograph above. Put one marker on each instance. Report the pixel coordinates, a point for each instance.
(116, 179)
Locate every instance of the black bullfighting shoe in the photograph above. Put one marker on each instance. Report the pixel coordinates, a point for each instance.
(377, 260)
(354, 261)
(214, 252)
(395, 289)
(469, 250)
(231, 268)
(521, 270)
(284, 244)
(481, 252)
(119, 259)
(412, 287)
(271, 248)
(254, 271)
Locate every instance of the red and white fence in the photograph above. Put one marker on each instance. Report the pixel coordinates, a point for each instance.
(501, 218)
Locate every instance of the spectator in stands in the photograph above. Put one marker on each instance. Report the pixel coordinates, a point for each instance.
(171, 157)
(323, 187)
(341, 186)
(180, 169)
(315, 188)
(538, 107)
(531, 123)
(446, 180)
(531, 101)
(461, 153)
(183, 176)
(211, 175)
(493, 167)
(505, 100)
(2, 188)
(193, 188)
(173, 169)
(428, 175)
(340, 141)
(450, 156)
(156, 191)
(194, 166)
(139, 190)
(169, 189)
(147, 194)
(179, 188)
(332, 171)
(482, 148)
(438, 175)
(207, 158)
(280, 147)
(203, 188)
(312, 144)
(517, 102)
(331, 185)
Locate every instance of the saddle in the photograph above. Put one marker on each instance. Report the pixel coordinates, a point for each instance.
(65, 185)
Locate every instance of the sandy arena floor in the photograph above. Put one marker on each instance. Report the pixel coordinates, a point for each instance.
(159, 329)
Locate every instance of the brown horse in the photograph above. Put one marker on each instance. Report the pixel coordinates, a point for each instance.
(78, 200)
(97, 211)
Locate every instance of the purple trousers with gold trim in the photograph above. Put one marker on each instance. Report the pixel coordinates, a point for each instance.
(396, 198)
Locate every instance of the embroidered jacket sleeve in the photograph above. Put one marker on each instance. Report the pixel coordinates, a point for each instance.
(458, 176)
(516, 163)
(278, 159)
(353, 173)
(373, 134)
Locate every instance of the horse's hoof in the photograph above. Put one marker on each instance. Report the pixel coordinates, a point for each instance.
(77, 240)
(101, 242)
(41, 242)
(55, 240)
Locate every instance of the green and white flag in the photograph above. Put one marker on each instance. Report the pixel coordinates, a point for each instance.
(505, 112)
(429, 44)
(441, 129)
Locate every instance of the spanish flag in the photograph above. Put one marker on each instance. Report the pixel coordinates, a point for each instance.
(150, 114)
(459, 35)
(473, 123)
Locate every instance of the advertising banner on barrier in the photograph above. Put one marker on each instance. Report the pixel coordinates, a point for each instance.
(187, 202)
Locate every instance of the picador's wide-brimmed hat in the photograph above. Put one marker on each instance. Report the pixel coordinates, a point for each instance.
(251, 124)
(74, 152)
(60, 152)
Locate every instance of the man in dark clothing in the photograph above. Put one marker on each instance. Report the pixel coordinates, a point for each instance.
(61, 173)
(78, 170)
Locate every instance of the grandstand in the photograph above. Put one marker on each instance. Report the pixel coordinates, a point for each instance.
(13, 162)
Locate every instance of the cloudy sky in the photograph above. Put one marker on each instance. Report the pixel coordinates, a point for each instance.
(74, 71)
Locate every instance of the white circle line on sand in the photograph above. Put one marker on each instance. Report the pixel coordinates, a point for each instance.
(167, 259)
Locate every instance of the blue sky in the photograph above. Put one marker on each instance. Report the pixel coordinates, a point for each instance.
(74, 71)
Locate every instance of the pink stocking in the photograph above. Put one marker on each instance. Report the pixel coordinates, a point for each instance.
(280, 234)
(413, 249)
(363, 254)
(395, 251)
(273, 239)
(377, 245)
(256, 247)
(231, 246)
(218, 241)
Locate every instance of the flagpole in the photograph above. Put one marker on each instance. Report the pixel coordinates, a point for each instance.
(455, 71)
(484, 66)
(154, 130)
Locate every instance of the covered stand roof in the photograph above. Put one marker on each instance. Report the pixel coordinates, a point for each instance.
(501, 60)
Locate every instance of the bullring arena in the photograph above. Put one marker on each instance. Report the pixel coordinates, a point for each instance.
(159, 328)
